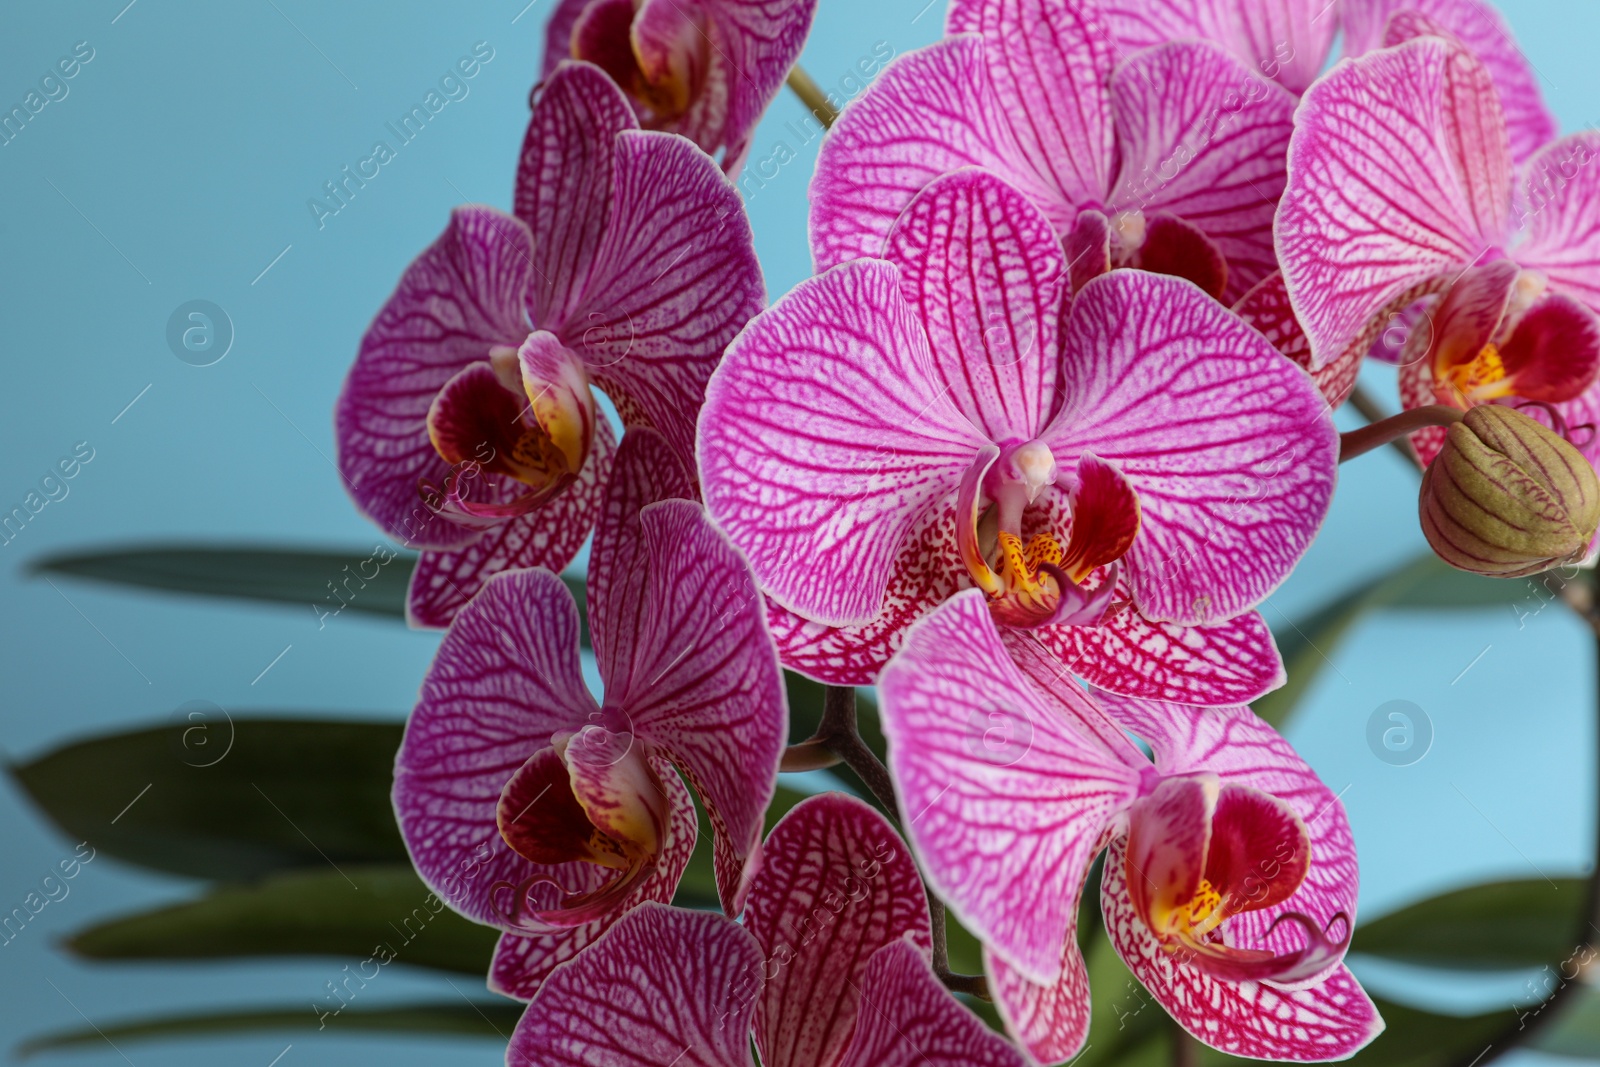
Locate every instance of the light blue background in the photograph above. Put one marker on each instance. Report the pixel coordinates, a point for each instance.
(179, 166)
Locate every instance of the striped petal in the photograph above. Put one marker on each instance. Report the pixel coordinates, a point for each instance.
(1005, 836)
(703, 686)
(826, 437)
(1399, 177)
(1328, 1021)
(1266, 307)
(1230, 447)
(505, 680)
(982, 269)
(1561, 190)
(1287, 40)
(836, 886)
(1050, 1020)
(1371, 24)
(758, 42)
(1203, 138)
(664, 988)
(465, 294)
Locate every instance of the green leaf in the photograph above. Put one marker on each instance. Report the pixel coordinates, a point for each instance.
(228, 800)
(359, 579)
(1576, 1031)
(493, 1020)
(364, 913)
(1495, 926)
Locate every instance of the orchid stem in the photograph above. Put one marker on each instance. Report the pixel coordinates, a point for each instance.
(837, 734)
(1395, 428)
(1369, 408)
(812, 96)
(1184, 1048)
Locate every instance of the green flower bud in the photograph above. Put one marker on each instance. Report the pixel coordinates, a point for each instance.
(1507, 497)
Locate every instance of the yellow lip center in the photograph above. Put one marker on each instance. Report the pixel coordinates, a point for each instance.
(1484, 378)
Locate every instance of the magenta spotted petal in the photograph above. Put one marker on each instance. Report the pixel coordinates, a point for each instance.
(1172, 161)
(836, 886)
(706, 69)
(1371, 24)
(661, 989)
(468, 424)
(1286, 40)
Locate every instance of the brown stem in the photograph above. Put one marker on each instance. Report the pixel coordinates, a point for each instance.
(812, 755)
(1184, 1048)
(1395, 428)
(837, 734)
(812, 96)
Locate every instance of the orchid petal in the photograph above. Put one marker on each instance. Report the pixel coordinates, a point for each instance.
(558, 34)
(1050, 1020)
(1467, 316)
(1554, 352)
(1372, 24)
(565, 186)
(1005, 837)
(1203, 138)
(673, 281)
(930, 112)
(759, 42)
(1266, 307)
(1241, 749)
(703, 685)
(1165, 852)
(909, 1019)
(505, 679)
(1561, 187)
(1049, 61)
(1088, 246)
(1328, 1021)
(1398, 178)
(826, 437)
(664, 988)
(1152, 370)
(460, 298)
(522, 961)
(1287, 40)
(982, 268)
(836, 886)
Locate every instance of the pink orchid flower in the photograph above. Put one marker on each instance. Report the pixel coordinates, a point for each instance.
(1230, 874)
(1402, 193)
(830, 969)
(1171, 160)
(1127, 478)
(528, 806)
(706, 69)
(468, 425)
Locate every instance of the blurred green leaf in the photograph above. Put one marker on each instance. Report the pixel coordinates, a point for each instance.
(1308, 643)
(1575, 1032)
(356, 912)
(490, 1019)
(227, 799)
(1495, 926)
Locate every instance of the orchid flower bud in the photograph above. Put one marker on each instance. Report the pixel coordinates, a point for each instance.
(1508, 497)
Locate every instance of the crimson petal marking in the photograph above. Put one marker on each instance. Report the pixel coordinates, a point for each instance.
(930, 112)
(1554, 351)
(1377, 206)
(548, 537)
(522, 961)
(705, 688)
(826, 436)
(982, 268)
(663, 988)
(505, 679)
(836, 886)
(558, 35)
(565, 186)
(1327, 1021)
(1370, 24)
(1231, 449)
(1005, 835)
(1204, 138)
(1212, 666)
(1049, 61)
(1266, 307)
(1287, 40)
(1561, 190)
(757, 41)
(1241, 749)
(908, 1019)
(1050, 1020)
(619, 562)
(926, 572)
(460, 297)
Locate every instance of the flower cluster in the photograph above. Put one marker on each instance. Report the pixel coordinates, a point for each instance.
(1049, 424)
